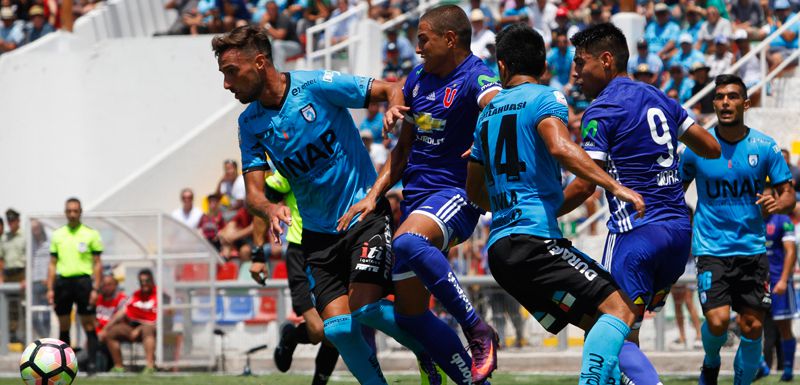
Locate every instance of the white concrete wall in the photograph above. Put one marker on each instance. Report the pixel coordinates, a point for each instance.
(103, 122)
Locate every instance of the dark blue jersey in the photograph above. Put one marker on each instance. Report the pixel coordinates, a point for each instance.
(779, 229)
(634, 128)
(444, 112)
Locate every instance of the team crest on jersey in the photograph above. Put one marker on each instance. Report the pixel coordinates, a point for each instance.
(560, 97)
(770, 228)
(752, 160)
(449, 96)
(308, 112)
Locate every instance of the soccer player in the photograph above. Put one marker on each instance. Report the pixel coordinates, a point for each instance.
(300, 120)
(442, 97)
(728, 232)
(632, 130)
(310, 331)
(74, 276)
(521, 141)
(782, 255)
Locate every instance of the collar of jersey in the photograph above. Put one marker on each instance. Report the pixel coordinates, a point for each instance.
(285, 93)
(721, 139)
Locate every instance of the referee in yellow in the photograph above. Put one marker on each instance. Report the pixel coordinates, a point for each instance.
(74, 275)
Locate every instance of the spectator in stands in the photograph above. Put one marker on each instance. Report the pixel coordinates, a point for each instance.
(481, 36)
(373, 122)
(694, 21)
(231, 185)
(394, 68)
(748, 15)
(377, 152)
(786, 43)
(234, 13)
(678, 83)
(596, 15)
(687, 55)
(237, 235)
(662, 34)
(405, 50)
(12, 264)
(543, 18)
(187, 213)
(38, 26)
(189, 18)
(722, 58)
(644, 74)
(211, 223)
(346, 27)
(564, 25)
(109, 302)
(559, 62)
(750, 72)
(316, 11)
(645, 56)
(712, 28)
(704, 109)
(283, 35)
(12, 31)
(134, 323)
(519, 13)
(488, 16)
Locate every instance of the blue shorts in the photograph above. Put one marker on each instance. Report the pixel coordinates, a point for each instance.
(784, 306)
(450, 209)
(646, 261)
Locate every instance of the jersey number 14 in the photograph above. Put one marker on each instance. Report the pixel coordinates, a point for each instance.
(506, 143)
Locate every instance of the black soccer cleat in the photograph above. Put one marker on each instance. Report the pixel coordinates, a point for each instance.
(285, 349)
(708, 375)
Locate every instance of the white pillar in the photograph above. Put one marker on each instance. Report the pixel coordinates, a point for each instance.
(632, 25)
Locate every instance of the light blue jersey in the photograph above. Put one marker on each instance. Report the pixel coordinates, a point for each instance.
(313, 141)
(727, 221)
(523, 179)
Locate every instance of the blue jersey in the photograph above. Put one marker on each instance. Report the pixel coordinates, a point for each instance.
(523, 179)
(312, 140)
(780, 229)
(634, 128)
(727, 222)
(444, 112)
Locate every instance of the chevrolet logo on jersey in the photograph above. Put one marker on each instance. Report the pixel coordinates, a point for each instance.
(427, 123)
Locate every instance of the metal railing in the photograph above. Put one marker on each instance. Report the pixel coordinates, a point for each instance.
(328, 48)
(762, 48)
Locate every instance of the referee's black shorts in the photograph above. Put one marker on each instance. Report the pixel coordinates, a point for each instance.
(73, 290)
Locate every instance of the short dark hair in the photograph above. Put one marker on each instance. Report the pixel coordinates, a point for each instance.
(604, 37)
(785, 151)
(146, 272)
(12, 215)
(450, 18)
(245, 38)
(73, 200)
(723, 80)
(521, 49)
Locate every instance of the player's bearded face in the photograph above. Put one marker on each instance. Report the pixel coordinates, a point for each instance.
(241, 76)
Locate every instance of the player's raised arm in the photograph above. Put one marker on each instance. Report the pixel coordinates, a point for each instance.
(573, 158)
(383, 91)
